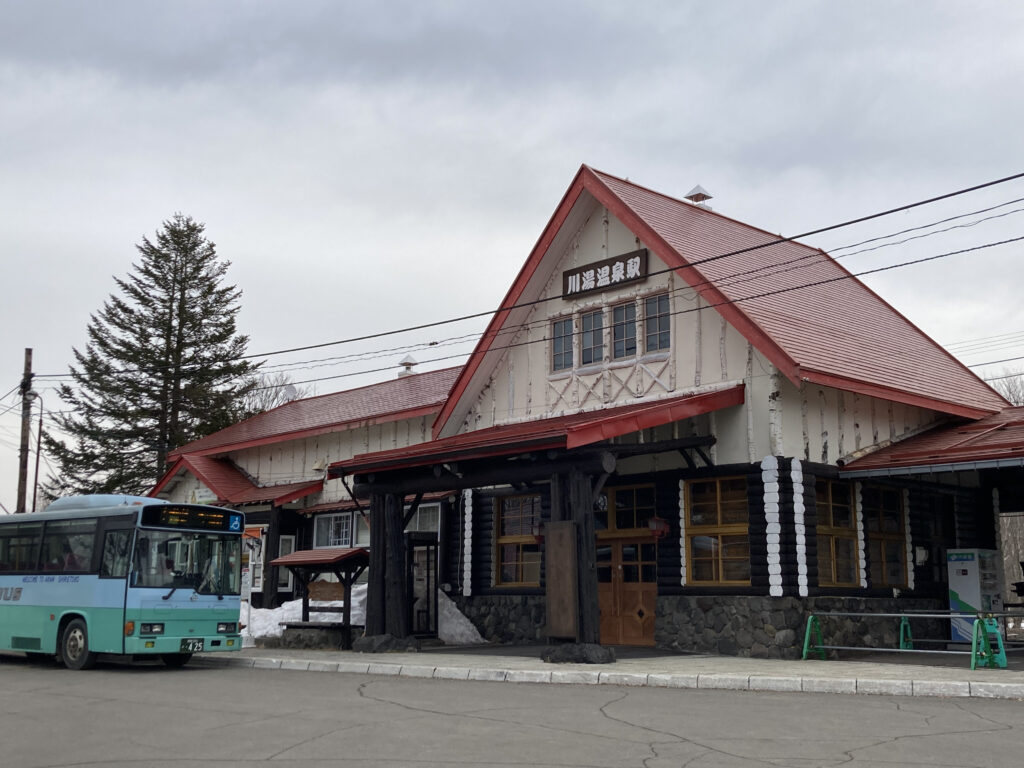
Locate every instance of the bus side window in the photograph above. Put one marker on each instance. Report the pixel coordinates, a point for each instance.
(21, 546)
(114, 563)
(68, 545)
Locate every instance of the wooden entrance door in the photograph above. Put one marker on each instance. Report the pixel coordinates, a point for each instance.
(626, 590)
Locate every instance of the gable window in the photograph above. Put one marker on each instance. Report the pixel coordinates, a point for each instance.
(592, 346)
(561, 344)
(717, 534)
(886, 534)
(333, 530)
(657, 323)
(518, 527)
(837, 534)
(623, 330)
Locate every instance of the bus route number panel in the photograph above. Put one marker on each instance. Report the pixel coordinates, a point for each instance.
(202, 518)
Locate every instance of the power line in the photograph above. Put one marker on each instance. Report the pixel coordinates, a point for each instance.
(697, 262)
(764, 294)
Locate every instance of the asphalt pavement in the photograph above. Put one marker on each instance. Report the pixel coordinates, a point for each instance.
(895, 675)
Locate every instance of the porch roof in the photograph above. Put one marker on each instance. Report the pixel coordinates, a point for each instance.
(305, 558)
(559, 432)
(997, 440)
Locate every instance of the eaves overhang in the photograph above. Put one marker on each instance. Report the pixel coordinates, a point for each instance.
(556, 433)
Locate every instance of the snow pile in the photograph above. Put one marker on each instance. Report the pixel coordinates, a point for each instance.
(453, 628)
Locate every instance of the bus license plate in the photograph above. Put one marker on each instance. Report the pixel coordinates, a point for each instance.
(192, 645)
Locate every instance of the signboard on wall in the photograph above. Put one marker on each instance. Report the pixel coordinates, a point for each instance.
(609, 273)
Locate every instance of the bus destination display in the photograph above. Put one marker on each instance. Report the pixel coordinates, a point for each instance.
(178, 516)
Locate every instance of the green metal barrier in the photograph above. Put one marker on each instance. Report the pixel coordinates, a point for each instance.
(813, 628)
(981, 644)
(906, 638)
(987, 646)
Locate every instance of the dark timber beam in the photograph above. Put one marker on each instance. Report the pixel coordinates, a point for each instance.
(412, 510)
(581, 502)
(273, 549)
(481, 475)
(375, 585)
(396, 607)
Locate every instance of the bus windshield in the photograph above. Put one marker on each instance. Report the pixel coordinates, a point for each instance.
(209, 563)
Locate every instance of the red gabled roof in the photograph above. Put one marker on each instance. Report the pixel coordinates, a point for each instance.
(795, 304)
(996, 437)
(406, 397)
(558, 432)
(233, 487)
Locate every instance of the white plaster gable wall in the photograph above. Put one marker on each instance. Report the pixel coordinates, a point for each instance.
(293, 461)
(823, 425)
(190, 490)
(706, 352)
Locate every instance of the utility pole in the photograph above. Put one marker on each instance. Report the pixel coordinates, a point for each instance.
(26, 417)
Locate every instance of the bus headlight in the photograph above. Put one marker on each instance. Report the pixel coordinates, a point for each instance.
(227, 628)
(151, 629)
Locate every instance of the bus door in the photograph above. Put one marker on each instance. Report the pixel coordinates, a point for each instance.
(117, 540)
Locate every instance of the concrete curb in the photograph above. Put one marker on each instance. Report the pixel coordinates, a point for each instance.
(721, 681)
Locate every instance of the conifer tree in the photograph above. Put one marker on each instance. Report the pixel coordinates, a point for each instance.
(162, 367)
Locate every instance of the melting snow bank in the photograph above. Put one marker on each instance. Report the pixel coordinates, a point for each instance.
(453, 628)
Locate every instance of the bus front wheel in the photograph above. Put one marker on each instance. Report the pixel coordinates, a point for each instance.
(176, 659)
(74, 646)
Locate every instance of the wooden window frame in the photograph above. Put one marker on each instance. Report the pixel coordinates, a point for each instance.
(612, 529)
(523, 542)
(719, 531)
(883, 539)
(829, 533)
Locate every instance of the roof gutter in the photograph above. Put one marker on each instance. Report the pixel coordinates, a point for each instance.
(925, 469)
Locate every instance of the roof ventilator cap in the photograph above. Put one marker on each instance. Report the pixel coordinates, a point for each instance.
(698, 195)
(407, 364)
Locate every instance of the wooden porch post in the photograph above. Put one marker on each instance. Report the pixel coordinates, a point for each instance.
(375, 592)
(396, 607)
(273, 550)
(581, 505)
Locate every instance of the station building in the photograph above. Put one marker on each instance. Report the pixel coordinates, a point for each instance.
(678, 430)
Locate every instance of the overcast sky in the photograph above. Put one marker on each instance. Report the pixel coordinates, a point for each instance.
(367, 166)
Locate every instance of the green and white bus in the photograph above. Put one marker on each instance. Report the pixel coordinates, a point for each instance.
(128, 576)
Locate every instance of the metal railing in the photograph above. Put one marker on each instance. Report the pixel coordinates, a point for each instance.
(987, 645)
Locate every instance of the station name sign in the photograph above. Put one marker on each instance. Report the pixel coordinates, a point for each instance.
(599, 275)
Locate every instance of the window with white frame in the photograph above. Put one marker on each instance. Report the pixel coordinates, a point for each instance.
(333, 530)
(592, 341)
(624, 331)
(657, 323)
(647, 320)
(427, 518)
(561, 344)
(362, 531)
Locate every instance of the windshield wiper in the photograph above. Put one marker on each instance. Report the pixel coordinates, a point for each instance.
(168, 595)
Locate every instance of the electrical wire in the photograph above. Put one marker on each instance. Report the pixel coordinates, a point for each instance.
(764, 294)
(696, 262)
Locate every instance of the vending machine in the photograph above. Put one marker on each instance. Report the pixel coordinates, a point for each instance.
(973, 587)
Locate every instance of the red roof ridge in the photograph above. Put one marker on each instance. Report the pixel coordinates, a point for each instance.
(709, 211)
(255, 430)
